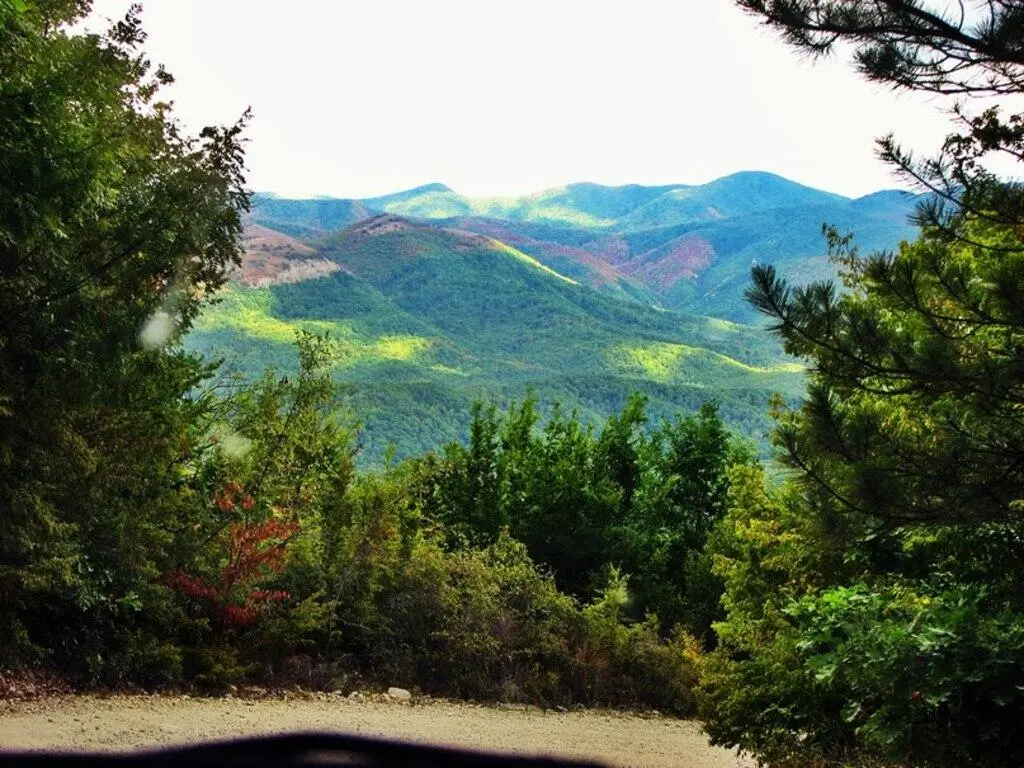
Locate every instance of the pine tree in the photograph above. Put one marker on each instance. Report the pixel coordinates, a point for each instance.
(913, 411)
(874, 608)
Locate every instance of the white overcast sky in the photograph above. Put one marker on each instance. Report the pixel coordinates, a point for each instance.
(354, 98)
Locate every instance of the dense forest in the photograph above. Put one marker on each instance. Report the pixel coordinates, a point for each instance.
(857, 602)
(428, 321)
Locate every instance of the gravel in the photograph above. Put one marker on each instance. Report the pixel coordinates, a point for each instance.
(119, 723)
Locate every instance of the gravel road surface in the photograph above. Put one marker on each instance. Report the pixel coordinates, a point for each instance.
(131, 722)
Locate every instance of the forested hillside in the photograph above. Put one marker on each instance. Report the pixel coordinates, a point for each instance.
(581, 294)
(427, 320)
(680, 247)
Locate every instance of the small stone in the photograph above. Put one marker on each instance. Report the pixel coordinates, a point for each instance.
(356, 696)
(400, 694)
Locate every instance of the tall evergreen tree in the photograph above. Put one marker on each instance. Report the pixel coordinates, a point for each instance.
(114, 226)
(913, 411)
(874, 607)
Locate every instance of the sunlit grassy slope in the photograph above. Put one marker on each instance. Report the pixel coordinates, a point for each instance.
(427, 320)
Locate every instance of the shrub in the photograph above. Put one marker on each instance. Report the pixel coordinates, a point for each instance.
(927, 678)
(486, 623)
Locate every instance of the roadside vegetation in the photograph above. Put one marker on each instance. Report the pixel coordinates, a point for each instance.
(163, 525)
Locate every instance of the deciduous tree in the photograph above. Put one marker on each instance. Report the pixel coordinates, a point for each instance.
(114, 226)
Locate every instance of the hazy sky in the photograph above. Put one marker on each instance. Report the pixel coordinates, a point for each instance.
(354, 98)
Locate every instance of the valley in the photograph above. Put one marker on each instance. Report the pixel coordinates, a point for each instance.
(581, 295)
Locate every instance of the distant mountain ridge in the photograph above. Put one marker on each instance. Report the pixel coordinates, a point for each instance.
(677, 246)
(630, 206)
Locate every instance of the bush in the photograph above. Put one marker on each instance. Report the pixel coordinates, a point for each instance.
(485, 623)
(919, 666)
(929, 678)
(627, 664)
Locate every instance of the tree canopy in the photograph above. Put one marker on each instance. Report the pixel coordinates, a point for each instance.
(946, 48)
(915, 398)
(966, 51)
(874, 613)
(114, 226)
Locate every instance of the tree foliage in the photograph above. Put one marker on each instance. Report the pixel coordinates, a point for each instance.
(963, 50)
(902, 651)
(113, 227)
(944, 48)
(914, 411)
(874, 612)
(584, 501)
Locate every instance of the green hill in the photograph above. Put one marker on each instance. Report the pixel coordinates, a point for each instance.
(308, 217)
(627, 207)
(428, 319)
(582, 293)
(740, 194)
(587, 205)
(703, 267)
(567, 250)
(685, 247)
(791, 238)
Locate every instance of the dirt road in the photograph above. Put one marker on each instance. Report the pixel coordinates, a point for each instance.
(130, 722)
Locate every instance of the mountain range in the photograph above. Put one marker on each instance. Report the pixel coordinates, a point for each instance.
(581, 294)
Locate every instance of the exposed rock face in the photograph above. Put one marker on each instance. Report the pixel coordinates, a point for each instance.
(272, 257)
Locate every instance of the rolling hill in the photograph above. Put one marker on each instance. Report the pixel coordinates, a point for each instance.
(582, 294)
(428, 319)
(680, 247)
